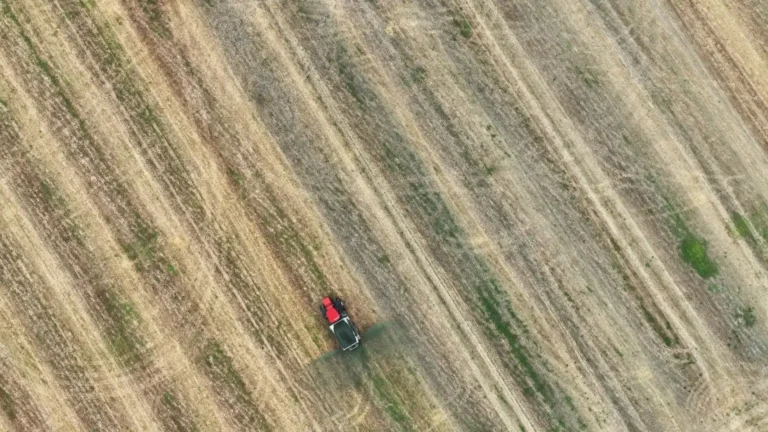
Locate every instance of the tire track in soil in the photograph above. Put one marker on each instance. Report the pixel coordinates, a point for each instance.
(18, 408)
(389, 200)
(197, 183)
(712, 167)
(366, 259)
(253, 305)
(583, 169)
(723, 171)
(717, 176)
(62, 343)
(730, 57)
(456, 192)
(148, 373)
(448, 187)
(373, 66)
(705, 165)
(190, 90)
(708, 169)
(104, 175)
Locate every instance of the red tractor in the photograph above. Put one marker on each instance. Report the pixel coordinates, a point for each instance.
(340, 324)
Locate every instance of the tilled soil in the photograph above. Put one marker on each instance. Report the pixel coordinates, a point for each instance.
(544, 215)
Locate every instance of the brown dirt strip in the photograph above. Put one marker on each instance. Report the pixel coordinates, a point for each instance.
(119, 321)
(505, 182)
(279, 211)
(330, 201)
(125, 241)
(18, 408)
(55, 337)
(484, 186)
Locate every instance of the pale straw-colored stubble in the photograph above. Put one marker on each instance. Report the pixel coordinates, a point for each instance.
(386, 197)
(65, 297)
(20, 361)
(113, 135)
(458, 196)
(704, 182)
(685, 171)
(261, 153)
(163, 347)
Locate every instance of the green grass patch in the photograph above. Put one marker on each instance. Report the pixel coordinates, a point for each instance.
(3, 104)
(180, 421)
(494, 314)
(746, 316)
(759, 218)
(51, 195)
(741, 225)
(693, 248)
(392, 404)
(8, 12)
(694, 252)
(715, 288)
(7, 404)
(658, 328)
(122, 334)
(152, 9)
(236, 177)
(418, 74)
(465, 28)
(142, 250)
(220, 364)
(589, 77)
(349, 78)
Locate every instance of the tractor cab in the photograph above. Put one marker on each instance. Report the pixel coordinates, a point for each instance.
(339, 323)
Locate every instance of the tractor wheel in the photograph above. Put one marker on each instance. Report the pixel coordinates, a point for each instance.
(322, 312)
(338, 304)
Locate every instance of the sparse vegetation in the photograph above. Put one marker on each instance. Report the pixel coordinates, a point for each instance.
(694, 252)
(221, 364)
(392, 404)
(746, 316)
(742, 228)
(418, 74)
(465, 28)
(352, 82)
(7, 404)
(693, 248)
(236, 177)
(590, 79)
(143, 249)
(522, 204)
(759, 218)
(123, 336)
(177, 416)
(153, 10)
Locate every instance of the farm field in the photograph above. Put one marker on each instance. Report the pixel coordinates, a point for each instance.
(545, 215)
